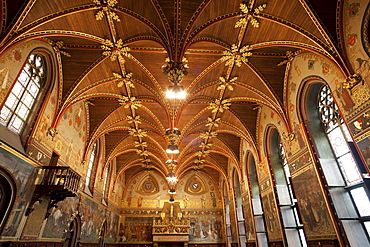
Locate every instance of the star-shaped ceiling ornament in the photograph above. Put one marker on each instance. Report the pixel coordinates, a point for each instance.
(236, 56)
(249, 15)
(126, 78)
(224, 83)
(219, 105)
(115, 50)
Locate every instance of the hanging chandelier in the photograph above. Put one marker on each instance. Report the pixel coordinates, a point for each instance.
(173, 137)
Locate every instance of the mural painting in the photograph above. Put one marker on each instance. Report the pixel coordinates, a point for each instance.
(92, 217)
(60, 217)
(364, 147)
(312, 206)
(110, 235)
(137, 229)
(248, 218)
(205, 229)
(271, 217)
(24, 175)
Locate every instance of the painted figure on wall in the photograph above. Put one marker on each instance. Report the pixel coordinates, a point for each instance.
(312, 206)
(59, 217)
(271, 217)
(137, 229)
(25, 175)
(205, 229)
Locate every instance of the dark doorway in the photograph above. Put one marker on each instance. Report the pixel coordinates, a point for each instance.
(7, 197)
(74, 232)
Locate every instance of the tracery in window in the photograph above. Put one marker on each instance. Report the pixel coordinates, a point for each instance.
(22, 98)
(339, 140)
(338, 135)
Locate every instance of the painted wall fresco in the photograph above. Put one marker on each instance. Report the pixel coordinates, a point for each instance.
(60, 217)
(92, 216)
(70, 140)
(24, 175)
(193, 192)
(206, 229)
(136, 229)
(271, 216)
(112, 227)
(353, 14)
(314, 211)
(248, 218)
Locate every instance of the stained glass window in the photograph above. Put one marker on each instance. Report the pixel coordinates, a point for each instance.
(339, 139)
(22, 98)
(337, 133)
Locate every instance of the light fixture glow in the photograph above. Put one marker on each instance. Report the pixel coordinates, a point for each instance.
(172, 149)
(176, 92)
(171, 178)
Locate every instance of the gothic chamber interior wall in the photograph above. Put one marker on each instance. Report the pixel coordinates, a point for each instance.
(131, 209)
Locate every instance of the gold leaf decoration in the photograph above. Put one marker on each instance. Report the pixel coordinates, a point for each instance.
(219, 105)
(236, 55)
(60, 46)
(249, 15)
(125, 79)
(226, 84)
(106, 8)
(129, 102)
(137, 132)
(208, 135)
(135, 120)
(143, 152)
(289, 57)
(115, 50)
(141, 144)
(205, 145)
(212, 122)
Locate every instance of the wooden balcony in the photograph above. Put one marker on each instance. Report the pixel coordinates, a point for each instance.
(59, 178)
(57, 182)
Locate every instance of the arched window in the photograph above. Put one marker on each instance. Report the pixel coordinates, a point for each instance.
(343, 173)
(256, 203)
(106, 178)
(23, 101)
(293, 227)
(91, 167)
(239, 210)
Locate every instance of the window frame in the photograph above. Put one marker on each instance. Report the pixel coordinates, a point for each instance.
(46, 86)
(337, 190)
(92, 167)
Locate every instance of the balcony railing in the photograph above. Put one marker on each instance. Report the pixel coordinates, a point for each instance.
(57, 183)
(62, 177)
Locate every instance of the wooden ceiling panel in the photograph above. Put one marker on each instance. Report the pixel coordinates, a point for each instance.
(98, 109)
(200, 31)
(44, 8)
(83, 22)
(144, 9)
(215, 10)
(246, 113)
(74, 66)
(113, 139)
(293, 11)
(272, 73)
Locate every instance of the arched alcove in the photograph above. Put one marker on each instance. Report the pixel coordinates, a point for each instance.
(7, 196)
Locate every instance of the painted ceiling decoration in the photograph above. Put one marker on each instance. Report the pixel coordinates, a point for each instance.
(120, 58)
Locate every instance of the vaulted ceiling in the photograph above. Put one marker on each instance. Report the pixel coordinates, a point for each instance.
(114, 54)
